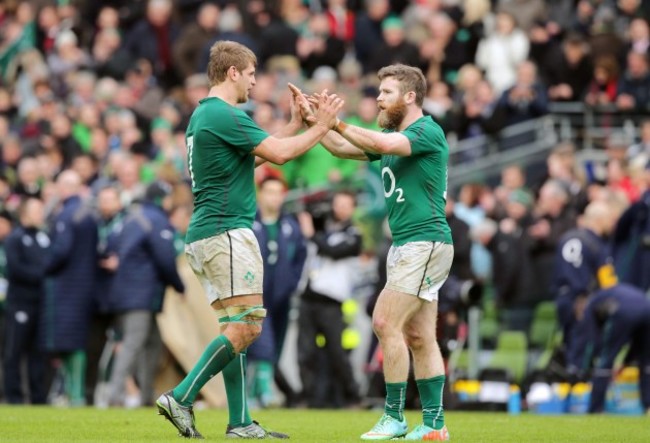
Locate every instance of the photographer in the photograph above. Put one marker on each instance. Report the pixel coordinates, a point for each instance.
(330, 284)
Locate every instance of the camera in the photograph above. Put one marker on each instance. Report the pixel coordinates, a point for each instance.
(458, 294)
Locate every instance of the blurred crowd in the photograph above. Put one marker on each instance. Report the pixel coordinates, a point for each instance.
(95, 98)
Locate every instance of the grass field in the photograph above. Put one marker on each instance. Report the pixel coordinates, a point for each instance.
(46, 424)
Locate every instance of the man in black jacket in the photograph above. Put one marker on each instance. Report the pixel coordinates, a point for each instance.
(26, 251)
(144, 264)
(330, 284)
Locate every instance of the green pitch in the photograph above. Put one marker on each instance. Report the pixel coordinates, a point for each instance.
(45, 424)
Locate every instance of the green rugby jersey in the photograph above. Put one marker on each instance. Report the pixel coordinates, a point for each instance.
(415, 187)
(220, 139)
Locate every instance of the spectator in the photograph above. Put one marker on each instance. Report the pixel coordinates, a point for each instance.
(468, 78)
(341, 20)
(316, 47)
(638, 36)
(526, 99)
(144, 264)
(109, 59)
(512, 277)
(26, 251)
(71, 269)
(196, 88)
(48, 27)
(501, 52)
(110, 219)
(145, 97)
(67, 58)
(29, 178)
(276, 37)
(127, 171)
(552, 217)
(231, 27)
(468, 208)
(461, 266)
(284, 252)
(479, 115)
(634, 88)
(604, 86)
(152, 39)
(295, 13)
(393, 47)
(449, 46)
(187, 50)
(62, 140)
(563, 166)
(369, 29)
(439, 104)
(513, 178)
(524, 12)
(618, 179)
(568, 70)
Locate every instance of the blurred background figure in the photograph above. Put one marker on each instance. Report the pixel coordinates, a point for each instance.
(284, 251)
(71, 268)
(144, 264)
(26, 250)
(325, 368)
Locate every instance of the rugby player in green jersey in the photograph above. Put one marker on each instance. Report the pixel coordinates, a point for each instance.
(223, 146)
(413, 153)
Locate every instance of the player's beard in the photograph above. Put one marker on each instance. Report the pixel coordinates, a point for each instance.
(392, 116)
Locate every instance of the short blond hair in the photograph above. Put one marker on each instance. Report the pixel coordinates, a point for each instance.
(223, 55)
(410, 79)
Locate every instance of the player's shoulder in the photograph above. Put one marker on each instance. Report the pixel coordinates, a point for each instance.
(572, 234)
(425, 129)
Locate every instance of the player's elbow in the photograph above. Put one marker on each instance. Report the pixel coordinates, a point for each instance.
(385, 145)
(382, 148)
(280, 159)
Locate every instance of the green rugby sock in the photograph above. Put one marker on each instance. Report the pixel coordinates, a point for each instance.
(395, 400)
(75, 377)
(234, 377)
(430, 389)
(214, 359)
(264, 380)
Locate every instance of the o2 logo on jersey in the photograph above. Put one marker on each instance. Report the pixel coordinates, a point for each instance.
(387, 173)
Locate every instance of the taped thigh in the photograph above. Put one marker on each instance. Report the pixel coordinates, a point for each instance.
(222, 316)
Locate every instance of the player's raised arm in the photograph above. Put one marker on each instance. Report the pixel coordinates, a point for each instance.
(383, 143)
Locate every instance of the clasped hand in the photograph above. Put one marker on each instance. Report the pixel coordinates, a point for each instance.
(318, 108)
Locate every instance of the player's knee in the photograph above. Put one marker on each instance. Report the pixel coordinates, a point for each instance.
(247, 321)
(383, 327)
(250, 333)
(415, 340)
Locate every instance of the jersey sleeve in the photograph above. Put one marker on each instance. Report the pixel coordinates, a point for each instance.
(241, 132)
(373, 157)
(424, 137)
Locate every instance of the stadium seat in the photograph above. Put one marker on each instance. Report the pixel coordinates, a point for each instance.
(511, 354)
(543, 325)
